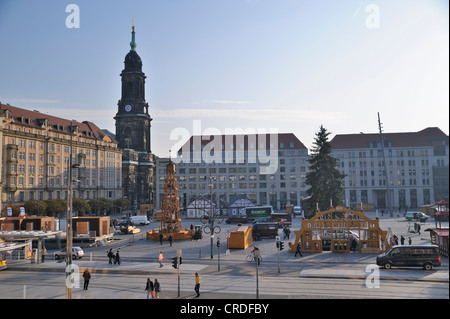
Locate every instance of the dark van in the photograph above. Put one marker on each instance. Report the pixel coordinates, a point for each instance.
(426, 256)
(237, 220)
(264, 230)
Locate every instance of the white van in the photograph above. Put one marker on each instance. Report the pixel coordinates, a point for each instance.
(139, 220)
(297, 210)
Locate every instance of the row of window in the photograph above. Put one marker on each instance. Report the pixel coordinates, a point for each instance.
(379, 153)
(58, 181)
(232, 146)
(39, 195)
(382, 182)
(401, 163)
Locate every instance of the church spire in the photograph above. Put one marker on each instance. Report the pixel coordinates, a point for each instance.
(133, 41)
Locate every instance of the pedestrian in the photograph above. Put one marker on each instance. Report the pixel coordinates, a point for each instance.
(157, 288)
(402, 240)
(43, 253)
(287, 232)
(117, 259)
(170, 240)
(149, 288)
(257, 254)
(298, 250)
(161, 238)
(160, 258)
(110, 256)
(197, 285)
(87, 277)
(410, 240)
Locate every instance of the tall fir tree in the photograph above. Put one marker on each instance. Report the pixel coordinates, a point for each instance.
(324, 178)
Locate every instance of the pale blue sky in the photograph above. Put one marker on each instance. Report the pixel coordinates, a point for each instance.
(292, 65)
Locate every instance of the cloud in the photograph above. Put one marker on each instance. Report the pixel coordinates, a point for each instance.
(36, 101)
(223, 102)
(80, 114)
(267, 114)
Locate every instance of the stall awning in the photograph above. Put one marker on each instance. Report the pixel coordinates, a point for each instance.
(27, 234)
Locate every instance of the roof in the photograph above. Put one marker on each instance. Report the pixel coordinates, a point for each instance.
(8, 246)
(431, 136)
(285, 141)
(36, 119)
(441, 232)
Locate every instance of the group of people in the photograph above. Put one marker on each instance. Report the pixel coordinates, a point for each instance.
(115, 257)
(153, 289)
(170, 239)
(394, 240)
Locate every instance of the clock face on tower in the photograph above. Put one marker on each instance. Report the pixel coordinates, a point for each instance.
(128, 108)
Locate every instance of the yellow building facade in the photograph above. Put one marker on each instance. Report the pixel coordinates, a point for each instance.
(35, 155)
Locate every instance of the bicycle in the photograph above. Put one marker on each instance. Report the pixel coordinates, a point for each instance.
(252, 257)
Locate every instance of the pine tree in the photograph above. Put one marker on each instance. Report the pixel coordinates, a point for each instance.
(324, 177)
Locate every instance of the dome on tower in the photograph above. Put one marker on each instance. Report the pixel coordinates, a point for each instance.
(133, 61)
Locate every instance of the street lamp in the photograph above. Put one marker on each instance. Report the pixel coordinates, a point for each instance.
(211, 218)
(69, 231)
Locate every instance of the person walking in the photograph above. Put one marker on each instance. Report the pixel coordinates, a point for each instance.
(161, 236)
(402, 240)
(87, 277)
(170, 240)
(197, 285)
(410, 241)
(298, 250)
(117, 260)
(43, 253)
(149, 288)
(157, 288)
(287, 232)
(110, 256)
(160, 258)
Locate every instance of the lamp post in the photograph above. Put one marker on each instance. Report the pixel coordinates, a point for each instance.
(69, 223)
(218, 254)
(257, 277)
(211, 218)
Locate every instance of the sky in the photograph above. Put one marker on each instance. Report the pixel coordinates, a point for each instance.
(256, 65)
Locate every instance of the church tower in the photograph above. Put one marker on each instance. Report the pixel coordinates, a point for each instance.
(133, 124)
(132, 118)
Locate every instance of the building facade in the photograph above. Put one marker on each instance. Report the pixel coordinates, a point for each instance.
(417, 166)
(35, 153)
(267, 169)
(133, 124)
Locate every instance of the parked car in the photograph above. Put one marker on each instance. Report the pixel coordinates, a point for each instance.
(416, 216)
(237, 220)
(264, 230)
(262, 220)
(426, 256)
(77, 252)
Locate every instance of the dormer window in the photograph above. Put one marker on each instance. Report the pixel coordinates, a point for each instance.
(8, 115)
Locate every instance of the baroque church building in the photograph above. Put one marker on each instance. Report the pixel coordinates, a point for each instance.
(133, 124)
